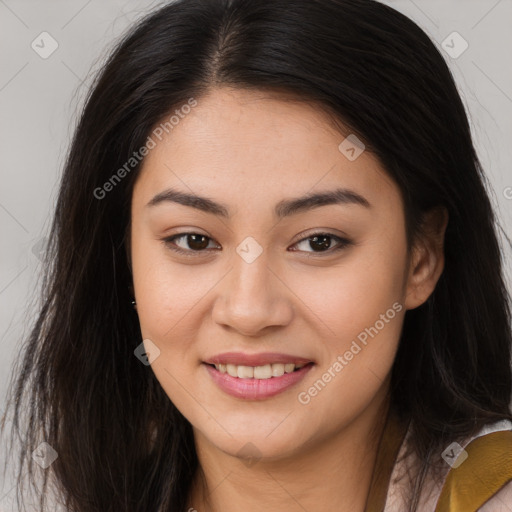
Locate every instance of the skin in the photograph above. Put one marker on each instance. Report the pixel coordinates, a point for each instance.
(249, 150)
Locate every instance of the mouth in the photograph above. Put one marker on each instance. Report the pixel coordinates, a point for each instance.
(257, 382)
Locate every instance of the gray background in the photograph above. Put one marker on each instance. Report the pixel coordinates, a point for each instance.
(40, 99)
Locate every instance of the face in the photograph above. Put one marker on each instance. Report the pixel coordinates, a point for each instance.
(301, 302)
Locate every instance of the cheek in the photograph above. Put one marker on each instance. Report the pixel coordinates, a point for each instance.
(358, 315)
(166, 291)
(165, 296)
(351, 296)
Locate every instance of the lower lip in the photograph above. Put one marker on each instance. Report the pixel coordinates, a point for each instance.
(256, 389)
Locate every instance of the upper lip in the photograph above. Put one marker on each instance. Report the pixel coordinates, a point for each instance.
(240, 359)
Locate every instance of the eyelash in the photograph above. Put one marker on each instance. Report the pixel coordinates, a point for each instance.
(342, 244)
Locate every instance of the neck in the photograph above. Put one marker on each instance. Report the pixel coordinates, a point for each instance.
(333, 473)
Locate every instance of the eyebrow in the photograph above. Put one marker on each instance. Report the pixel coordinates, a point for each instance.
(284, 208)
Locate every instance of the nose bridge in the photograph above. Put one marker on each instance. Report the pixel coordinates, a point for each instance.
(251, 279)
(252, 298)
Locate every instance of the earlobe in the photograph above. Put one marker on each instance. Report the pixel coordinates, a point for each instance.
(427, 258)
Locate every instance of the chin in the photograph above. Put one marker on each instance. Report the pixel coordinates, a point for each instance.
(258, 445)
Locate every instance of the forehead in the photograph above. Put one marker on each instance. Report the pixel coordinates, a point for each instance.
(258, 146)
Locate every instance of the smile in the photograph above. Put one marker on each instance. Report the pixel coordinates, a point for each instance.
(259, 382)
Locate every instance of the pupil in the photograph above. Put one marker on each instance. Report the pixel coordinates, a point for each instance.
(323, 244)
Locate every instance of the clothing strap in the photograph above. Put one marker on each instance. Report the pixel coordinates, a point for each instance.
(486, 470)
(389, 447)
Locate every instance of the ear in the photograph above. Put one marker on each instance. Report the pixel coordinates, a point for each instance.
(427, 258)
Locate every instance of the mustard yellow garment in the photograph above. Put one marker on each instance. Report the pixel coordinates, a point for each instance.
(486, 470)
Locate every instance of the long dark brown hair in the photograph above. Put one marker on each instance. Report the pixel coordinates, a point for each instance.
(121, 443)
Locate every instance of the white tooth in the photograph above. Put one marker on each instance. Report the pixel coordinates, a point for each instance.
(289, 367)
(277, 369)
(263, 372)
(245, 372)
(231, 369)
(259, 372)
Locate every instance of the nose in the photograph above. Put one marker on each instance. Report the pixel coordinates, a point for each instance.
(253, 297)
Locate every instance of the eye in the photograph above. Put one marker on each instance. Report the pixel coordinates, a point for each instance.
(196, 243)
(322, 242)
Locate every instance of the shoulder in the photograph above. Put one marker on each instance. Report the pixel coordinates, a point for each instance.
(500, 502)
(478, 473)
(480, 468)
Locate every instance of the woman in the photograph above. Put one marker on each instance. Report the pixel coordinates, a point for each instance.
(274, 281)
